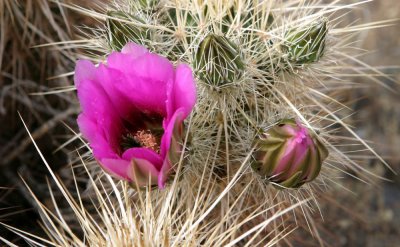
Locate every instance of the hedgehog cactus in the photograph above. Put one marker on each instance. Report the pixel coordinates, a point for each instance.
(231, 47)
(255, 63)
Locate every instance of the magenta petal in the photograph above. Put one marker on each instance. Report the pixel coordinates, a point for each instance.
(146, 79)
(153, 67)
(102, 148)
(166, 142)
(300, 154)
(88, 127)
(286, 159)
(163, 175)
(117, 167)
(169, 131)
(94, 100)
(141, 171)
(148, 66)
(111, 80)
(97, 106)
(144, 153)
(147, 95)
(120, 61)
(134, 49)
(182, 94)
(164, 172)
(84, 70)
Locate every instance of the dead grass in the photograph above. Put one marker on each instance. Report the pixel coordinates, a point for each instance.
(370, 215)
(25, 74)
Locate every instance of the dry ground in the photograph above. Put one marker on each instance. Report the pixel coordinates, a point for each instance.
(371, 217)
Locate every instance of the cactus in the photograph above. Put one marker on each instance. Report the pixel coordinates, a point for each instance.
(148, 4)
(241, 53)
(121, 29)
(256, 63)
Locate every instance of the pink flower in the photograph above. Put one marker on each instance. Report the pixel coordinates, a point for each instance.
(133, 108)
(289, 154)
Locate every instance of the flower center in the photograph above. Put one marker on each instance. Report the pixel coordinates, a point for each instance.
(141, 138)
(145, 133)
(147, 139)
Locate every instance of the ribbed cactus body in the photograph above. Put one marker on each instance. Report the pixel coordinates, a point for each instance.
(121, 30)
(148, 4)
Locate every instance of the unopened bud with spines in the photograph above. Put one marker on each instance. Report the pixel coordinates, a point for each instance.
(218, 61)
(122, 29)
(289, 155)
(306, 45)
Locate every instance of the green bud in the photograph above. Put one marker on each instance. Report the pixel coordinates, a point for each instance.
(218, 61)
(307, 45)
(121, 32)
(288, 154)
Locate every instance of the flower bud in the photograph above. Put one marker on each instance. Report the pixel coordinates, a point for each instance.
(218, 60)
(289, 155)
(122, 32)
(307, 45)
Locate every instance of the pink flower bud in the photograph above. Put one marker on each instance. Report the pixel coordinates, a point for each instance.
(289, 154)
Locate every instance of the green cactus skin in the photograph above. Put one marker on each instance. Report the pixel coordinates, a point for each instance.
(149, 4)
(120, 33)
(168, 17)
